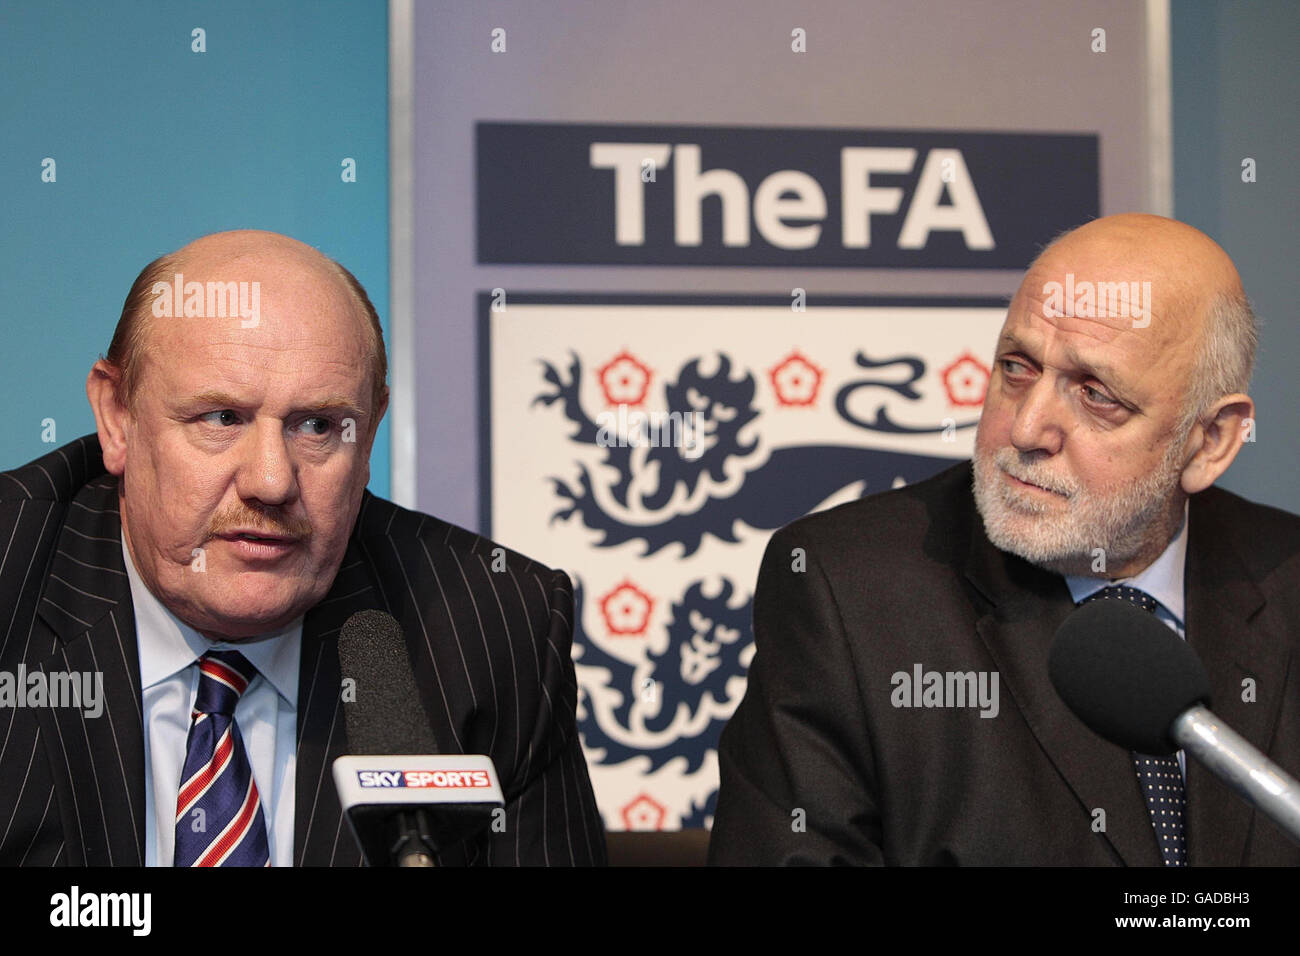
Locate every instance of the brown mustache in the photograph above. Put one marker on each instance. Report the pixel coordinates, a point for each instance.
(270, 522)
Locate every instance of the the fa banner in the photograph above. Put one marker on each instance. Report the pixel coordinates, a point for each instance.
(649, 445)
(772, 196)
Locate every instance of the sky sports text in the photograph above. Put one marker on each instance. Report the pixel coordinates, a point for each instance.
(437, 779)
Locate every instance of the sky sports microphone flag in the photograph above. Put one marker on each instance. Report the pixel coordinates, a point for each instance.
(457, 795)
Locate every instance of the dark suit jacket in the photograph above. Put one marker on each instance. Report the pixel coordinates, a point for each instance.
(909, 577)
(490, 652)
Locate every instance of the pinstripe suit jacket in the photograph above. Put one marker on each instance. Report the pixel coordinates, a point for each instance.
(490, 653)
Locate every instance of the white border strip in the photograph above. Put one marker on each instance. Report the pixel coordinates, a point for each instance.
(401, 233)
(1160, 123)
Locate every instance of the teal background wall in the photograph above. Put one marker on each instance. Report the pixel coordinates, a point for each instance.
(155, 145)
(1236, 94)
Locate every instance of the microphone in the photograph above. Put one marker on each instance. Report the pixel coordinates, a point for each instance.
(402, 799)
(1134, 681)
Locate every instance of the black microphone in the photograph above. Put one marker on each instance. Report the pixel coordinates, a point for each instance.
(402, 799)
(1134, 681)
(386, 716)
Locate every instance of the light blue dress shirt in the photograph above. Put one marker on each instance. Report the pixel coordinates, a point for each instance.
(267, 716)
(1162, 579)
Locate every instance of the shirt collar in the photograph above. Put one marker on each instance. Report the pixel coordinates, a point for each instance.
(168, 645)
(1162, 579)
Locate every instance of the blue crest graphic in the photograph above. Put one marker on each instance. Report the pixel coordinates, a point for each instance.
(786, 484)
(675, 703)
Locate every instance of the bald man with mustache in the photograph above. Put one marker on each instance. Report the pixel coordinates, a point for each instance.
(1107, 421)
(199, 554)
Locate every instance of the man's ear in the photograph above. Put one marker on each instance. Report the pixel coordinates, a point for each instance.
(112, 419)
(1217, 439)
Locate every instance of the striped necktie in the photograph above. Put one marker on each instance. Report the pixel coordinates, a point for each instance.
(1160, 777)
(219, 819)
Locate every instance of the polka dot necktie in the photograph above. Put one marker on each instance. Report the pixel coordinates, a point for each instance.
(1161, 778)
(219, 819)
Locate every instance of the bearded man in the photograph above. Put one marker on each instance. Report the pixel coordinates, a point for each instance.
(1117, 400)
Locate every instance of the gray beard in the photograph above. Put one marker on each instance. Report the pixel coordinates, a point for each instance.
(1120, 523)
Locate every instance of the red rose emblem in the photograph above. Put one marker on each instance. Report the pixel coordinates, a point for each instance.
(965, 380)
(624, 379)
(626, 610)
(796, 381)
(644, 813)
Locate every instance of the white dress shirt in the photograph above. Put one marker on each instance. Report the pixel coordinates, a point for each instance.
(267, 717)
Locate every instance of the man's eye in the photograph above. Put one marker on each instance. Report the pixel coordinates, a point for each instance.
(319, 425)
(1099, 398)
(1007, 366)
(231, 420)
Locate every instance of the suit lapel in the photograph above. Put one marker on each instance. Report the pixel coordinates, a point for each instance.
(321, 835)
(97, 762)
(1228, 632)
(1028, 605)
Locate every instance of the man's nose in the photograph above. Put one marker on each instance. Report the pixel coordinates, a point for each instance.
(267, 473)
(1040, 423)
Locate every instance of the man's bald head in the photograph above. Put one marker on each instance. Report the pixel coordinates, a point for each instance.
(237, 409)
(1199, 297)
(1117, 392)
(219, 256)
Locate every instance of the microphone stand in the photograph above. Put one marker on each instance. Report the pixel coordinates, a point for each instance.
(414, 843)
(1232, 759)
